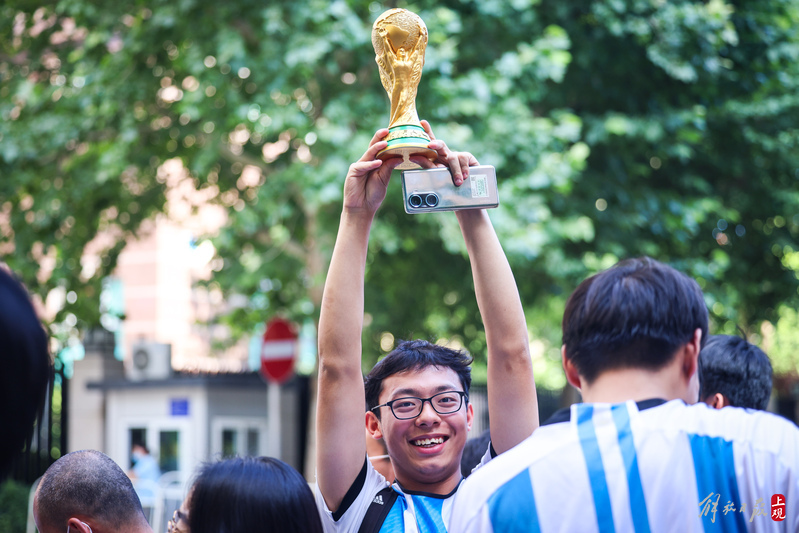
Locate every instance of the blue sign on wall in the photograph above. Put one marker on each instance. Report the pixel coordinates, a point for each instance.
(179, 407)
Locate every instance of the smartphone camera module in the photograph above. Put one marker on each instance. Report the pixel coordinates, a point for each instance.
(431, 199)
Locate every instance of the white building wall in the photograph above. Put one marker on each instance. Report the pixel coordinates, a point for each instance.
(150, 408)
(85, 429)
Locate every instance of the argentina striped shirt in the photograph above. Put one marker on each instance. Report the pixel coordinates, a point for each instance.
(650, 467)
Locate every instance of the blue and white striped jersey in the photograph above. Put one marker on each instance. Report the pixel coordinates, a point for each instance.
(411, 512)
(652, 467)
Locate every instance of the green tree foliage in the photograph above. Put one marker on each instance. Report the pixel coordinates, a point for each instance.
(693, 140)
(618, 128)
(783, 343)
(13, 506)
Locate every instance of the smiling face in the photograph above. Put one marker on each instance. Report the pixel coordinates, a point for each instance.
(425, 451)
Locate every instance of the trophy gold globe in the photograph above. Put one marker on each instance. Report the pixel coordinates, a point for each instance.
(399, 38)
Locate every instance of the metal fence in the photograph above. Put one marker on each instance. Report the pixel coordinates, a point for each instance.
(49, 439)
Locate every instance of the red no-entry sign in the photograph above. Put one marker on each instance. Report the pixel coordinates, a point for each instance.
(278, 351)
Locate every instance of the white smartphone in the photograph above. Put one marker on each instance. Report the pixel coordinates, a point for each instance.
(430, 190)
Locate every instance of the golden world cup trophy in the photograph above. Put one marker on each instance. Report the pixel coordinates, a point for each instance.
(400, 38)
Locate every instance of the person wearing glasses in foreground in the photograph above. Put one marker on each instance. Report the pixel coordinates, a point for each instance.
(247, 494)
(87, 492)
(418, 395)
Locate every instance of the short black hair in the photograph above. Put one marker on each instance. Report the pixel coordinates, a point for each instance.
(737, 369)
(416, 355)
(633, 315)
(252, 494)
(27, 369)
(90, 483)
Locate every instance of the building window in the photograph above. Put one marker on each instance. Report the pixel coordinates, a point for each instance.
(238, 437)
(229, 446)
(137, 436)
(169, 442)
(252, 442)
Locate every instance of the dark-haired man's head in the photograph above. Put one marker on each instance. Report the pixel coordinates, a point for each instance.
(87, 491)
(425, 439)
(636, 315)
(734, 372)
(416, 355)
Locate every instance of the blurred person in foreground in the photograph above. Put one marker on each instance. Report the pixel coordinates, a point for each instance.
(26, 369)
(418, 395)
(247, 494)
(733, 372)
(635, 456)
(87, 492)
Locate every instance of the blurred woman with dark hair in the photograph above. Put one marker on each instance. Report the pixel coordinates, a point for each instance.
(248, 494)
(26, 369)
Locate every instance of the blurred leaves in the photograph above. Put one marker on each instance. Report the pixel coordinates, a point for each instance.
(618, 128)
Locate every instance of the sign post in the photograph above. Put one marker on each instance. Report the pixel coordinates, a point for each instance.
(278, 352)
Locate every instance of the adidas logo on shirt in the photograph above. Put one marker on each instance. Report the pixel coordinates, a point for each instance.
(378, 499)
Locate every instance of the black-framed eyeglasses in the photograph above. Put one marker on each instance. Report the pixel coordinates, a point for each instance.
(444, 403)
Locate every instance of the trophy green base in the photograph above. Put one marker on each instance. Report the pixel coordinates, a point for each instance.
(404, 141)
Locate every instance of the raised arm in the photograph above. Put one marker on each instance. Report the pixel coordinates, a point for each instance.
(512, 400)
(341, 448)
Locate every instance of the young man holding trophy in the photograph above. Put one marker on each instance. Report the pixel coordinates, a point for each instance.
(425, 442)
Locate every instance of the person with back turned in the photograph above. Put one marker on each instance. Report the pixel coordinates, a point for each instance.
(639, 454)
(87, 492)
(733, 372)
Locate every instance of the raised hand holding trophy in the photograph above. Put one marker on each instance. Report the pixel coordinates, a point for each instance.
(400, 38)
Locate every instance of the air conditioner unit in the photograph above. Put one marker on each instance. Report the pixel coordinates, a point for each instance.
(150, 361)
